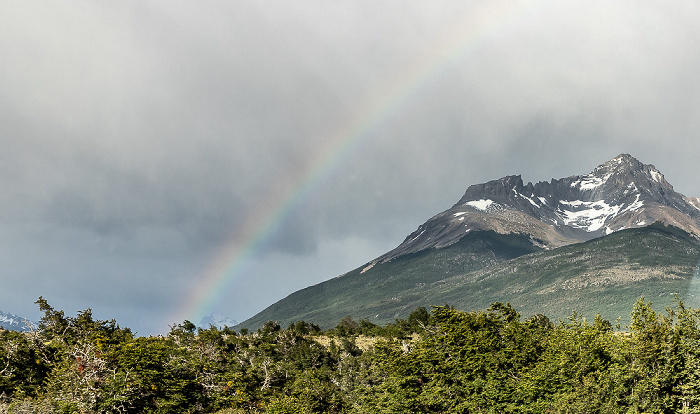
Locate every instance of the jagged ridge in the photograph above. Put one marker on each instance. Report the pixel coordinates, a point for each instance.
(621, 193)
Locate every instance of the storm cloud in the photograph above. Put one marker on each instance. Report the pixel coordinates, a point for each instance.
(138, 138)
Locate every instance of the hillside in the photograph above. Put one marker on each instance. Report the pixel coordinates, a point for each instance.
(604, 275)
(378, 292)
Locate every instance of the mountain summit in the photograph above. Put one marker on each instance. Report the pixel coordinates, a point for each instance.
(590, 243)
(620, 194)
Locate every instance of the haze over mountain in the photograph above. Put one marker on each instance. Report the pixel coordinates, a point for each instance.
(614, 233)
(217, 320)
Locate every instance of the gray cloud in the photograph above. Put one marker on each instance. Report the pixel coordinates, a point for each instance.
(139, 138)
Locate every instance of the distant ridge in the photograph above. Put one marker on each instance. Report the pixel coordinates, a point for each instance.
(14, 323)
(610, 235)
(217, 320)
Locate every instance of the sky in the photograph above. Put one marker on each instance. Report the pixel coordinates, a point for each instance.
(164, 160)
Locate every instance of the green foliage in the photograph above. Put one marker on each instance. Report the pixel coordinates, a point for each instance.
(23, 369)
(443, 361)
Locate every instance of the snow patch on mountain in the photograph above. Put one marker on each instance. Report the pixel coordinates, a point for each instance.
(693, 201)
(531, 200)
(589, 215)
(482, 205)
(15, 323)
(631, 187)
(636, 205)
(590, 182)
(592, 215)
(419, 234)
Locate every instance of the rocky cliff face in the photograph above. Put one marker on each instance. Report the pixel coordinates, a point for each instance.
(619, 194)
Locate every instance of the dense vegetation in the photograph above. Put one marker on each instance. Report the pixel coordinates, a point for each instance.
(444, 361)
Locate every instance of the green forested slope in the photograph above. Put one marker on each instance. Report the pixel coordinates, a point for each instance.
(604, 275)
(392, 290)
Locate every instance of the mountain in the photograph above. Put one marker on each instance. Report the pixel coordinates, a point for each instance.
(14, 323)
(590, 243)
(621, 193)
(217, 320)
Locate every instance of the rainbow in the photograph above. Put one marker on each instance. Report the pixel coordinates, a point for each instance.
(236, 257)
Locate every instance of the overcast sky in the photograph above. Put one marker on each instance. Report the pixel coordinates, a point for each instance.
(143, 142)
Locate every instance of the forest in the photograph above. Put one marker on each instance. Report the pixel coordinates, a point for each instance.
(440, 361)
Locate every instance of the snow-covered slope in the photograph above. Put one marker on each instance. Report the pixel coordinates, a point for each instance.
(15, 323)
(621, 193)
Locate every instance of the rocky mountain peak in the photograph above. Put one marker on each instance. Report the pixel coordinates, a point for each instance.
(624, 170)
(618, 194)
(499, 190)
(621, 163)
